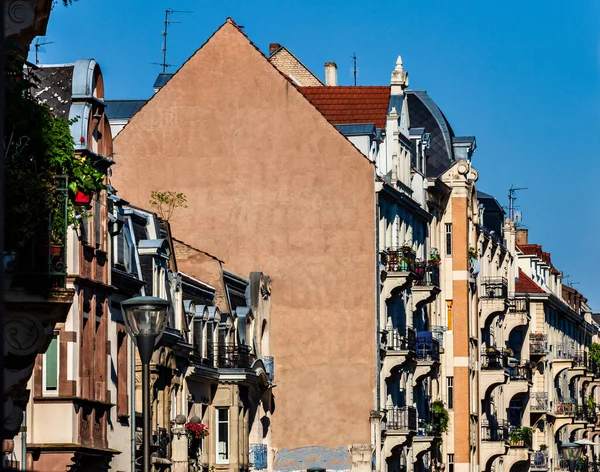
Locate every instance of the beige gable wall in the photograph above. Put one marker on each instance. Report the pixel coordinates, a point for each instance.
(293, 68)
(271, 187)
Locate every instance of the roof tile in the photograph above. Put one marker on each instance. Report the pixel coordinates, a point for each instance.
(525, 285)
(350, 105)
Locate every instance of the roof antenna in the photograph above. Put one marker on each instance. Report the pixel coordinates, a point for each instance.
(168, 12)
(39, 48)
(511, 199)
(354, 69)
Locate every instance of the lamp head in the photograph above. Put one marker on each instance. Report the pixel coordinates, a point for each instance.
(145, 316)
(571, 451)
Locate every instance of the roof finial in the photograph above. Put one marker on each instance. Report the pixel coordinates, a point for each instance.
(399, 78)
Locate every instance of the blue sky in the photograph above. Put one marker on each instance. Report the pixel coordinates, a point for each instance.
(523, 77)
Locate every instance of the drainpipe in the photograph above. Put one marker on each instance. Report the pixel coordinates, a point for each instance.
(132, 400)
(24, 441)
(377, 308)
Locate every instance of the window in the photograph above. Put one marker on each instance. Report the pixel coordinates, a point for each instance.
(122, 395)
(50, 368)
(448, 239)
(222, 435)
(450, 462)
(450, 386)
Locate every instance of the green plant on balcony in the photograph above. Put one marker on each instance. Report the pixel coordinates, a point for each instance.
(595, 353)
(520, 436)
(591, 404)
(473, 254)
(438, 409)
(434, 257)
(543, 447)
(39, 148)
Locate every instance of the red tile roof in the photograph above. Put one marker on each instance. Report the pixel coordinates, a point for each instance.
(350, 105)
(536, 250)
(525, 285)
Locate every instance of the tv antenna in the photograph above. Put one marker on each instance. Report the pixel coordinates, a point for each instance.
(354, 69)
(567, 281)
(168, 21)
(39, 48)
(511, 200)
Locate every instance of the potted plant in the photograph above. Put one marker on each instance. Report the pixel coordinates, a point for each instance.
(543, 447)
(196, 430)
(473, 254)
(438, 409)
(434, 258)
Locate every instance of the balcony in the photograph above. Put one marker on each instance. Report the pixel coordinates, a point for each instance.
(401, 419)
(520, 380)
(398, 346)
(538, 344)
(539, 460)
(426, 285)
(565, 407)
(493, 369)
(428, 348)
(494, 431)
(399, 270)
(520, 372)
(493, 293)
(161, 443)
(520, 437)
(233, 357)
(517, 314)
(539, 402)
(258, 456)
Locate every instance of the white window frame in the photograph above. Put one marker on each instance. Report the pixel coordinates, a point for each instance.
(45, 392)
(219, 460)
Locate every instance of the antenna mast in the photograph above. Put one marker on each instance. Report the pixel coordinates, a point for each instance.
(168, 12)
(353, 56)
(37, 46)
(511, 199)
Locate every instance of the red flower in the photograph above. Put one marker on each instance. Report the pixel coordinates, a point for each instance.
(82, 140)
(196, 430)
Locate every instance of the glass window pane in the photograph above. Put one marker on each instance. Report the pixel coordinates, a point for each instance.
(51, 365)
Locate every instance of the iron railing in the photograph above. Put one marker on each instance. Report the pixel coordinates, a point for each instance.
(563, 351)
(428, 348)
(538, 344)
(427, 275)
(519, 436)
(539, 460)
(401, 418)
(258, 456)
(429, 426)
(539, 401)
(520, 372)
(399, 339)
(580, 359)
(494, 287)
(565, 407)
(493, 359)
(517, 305)
(269, 366)
(494, 431)
(161, 442)
(42, 261)
(401, 259)
(233, 356)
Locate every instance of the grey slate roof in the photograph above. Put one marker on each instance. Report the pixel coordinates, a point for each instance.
(123, 109)
(55, 88)
(424, 113)
(162, 79)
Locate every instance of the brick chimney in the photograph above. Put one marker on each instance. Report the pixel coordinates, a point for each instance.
(273, 47)
(331, 74)
(522, 236)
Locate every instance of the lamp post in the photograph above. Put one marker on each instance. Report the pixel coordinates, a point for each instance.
(571, 453)
(145, 320)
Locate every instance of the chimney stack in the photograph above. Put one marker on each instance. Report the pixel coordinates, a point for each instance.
(273, 47)
(331, 74)
(522, 236)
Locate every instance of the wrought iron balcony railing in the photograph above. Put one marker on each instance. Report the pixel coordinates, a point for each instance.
(493, 359)
(401, 418)
(520, 372)
(565, 407)
(580, 359)
(494, 287)
(428, 275)
(539, 460)
(494, 431)
(41, 263)
(517, 305)
(563, 351)
(428, 348)
(258, 456)
(399, 339)
(233, 356)
(161, 442)
(539, 401)
(401, 259)
(538, 344)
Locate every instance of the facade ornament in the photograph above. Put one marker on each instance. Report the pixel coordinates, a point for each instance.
(20, 14)
(399, 78)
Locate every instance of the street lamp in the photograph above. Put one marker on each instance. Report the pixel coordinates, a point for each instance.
(571, 453)
(145, 320)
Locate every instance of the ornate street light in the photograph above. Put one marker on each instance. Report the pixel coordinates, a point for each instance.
(145, 320)
(571, 453)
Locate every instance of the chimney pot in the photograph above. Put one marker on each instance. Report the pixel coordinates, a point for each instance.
(522, 236)
(331, 78)
(273, 47)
